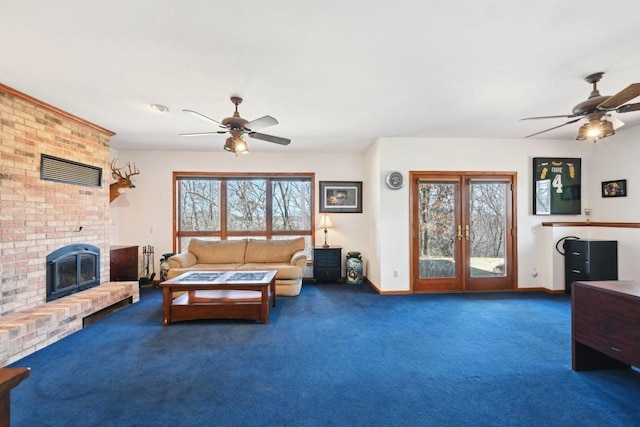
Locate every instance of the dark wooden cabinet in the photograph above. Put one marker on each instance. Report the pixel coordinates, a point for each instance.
(124, 263)
(605, 325)
(327, 263)
(590, 260)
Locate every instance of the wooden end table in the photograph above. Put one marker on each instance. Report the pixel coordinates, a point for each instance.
(219, 295)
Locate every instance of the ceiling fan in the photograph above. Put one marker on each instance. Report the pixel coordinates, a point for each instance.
(597, 111)
(237, 127)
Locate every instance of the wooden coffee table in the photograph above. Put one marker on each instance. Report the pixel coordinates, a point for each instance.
(219, 295)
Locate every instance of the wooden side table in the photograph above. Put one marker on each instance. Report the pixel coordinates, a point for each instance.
(327, 263)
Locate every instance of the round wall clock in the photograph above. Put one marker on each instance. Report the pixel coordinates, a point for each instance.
(394, 180)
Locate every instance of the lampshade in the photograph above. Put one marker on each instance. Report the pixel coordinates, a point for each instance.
(229, 146)
(241, 145)
(607, 129)
(325, 222)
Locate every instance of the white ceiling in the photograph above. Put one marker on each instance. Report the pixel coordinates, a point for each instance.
(336, 74)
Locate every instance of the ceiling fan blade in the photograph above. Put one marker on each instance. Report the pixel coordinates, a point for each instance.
(626, 94)
(555, 127)
(549, 117)
(260, 123)
(205, 118)
(270, 138)
(628, 108)
(203, 133)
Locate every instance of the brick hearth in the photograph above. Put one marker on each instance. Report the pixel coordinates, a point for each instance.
(30, 330)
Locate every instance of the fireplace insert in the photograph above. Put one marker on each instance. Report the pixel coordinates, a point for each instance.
(71, 269)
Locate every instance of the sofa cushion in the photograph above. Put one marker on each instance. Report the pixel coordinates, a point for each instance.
(214, 267)
(272, 251)
(218, 251)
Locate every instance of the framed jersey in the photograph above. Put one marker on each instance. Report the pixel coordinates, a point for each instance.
(556, 186)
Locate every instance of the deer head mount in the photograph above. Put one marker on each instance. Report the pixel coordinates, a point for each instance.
(123, 182)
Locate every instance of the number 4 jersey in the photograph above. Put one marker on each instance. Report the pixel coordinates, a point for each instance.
(557, 187)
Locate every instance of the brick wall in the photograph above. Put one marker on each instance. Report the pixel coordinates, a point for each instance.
(36, 216)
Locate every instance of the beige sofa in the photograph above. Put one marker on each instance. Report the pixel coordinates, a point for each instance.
(285, 256)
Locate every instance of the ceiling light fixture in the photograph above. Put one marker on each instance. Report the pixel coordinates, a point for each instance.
(241, 146)
(159, 108)
(596, 129)
(236, 145)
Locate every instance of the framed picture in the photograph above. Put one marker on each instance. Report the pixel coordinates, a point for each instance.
(617, 188)
(341, 196)
(556, 186)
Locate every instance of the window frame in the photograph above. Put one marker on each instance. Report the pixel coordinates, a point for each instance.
(223, 233)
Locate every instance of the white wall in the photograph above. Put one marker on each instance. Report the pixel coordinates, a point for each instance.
(371, 205)
(143, 215)
(614, 158)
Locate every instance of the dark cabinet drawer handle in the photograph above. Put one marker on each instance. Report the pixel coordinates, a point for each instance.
(115, 261)
(576, 271)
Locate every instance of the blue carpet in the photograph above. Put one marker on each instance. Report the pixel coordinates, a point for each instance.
(337, 355)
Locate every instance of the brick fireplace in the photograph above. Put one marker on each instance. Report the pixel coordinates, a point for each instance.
(37, 217)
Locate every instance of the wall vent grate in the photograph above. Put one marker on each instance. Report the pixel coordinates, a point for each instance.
(62, 170)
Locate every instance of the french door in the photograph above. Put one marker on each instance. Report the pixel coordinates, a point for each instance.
(463, 238)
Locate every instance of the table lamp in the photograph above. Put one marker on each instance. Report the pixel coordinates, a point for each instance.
(325, 223)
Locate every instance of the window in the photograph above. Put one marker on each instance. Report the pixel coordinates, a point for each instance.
(261, 206)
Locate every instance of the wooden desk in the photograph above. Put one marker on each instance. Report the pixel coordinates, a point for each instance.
(605, 325)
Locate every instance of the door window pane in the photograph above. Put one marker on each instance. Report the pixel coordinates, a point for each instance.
(488, 210)
(437, 229)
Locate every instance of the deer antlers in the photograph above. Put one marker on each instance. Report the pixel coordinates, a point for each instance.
(115, 172)
(122, 181)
